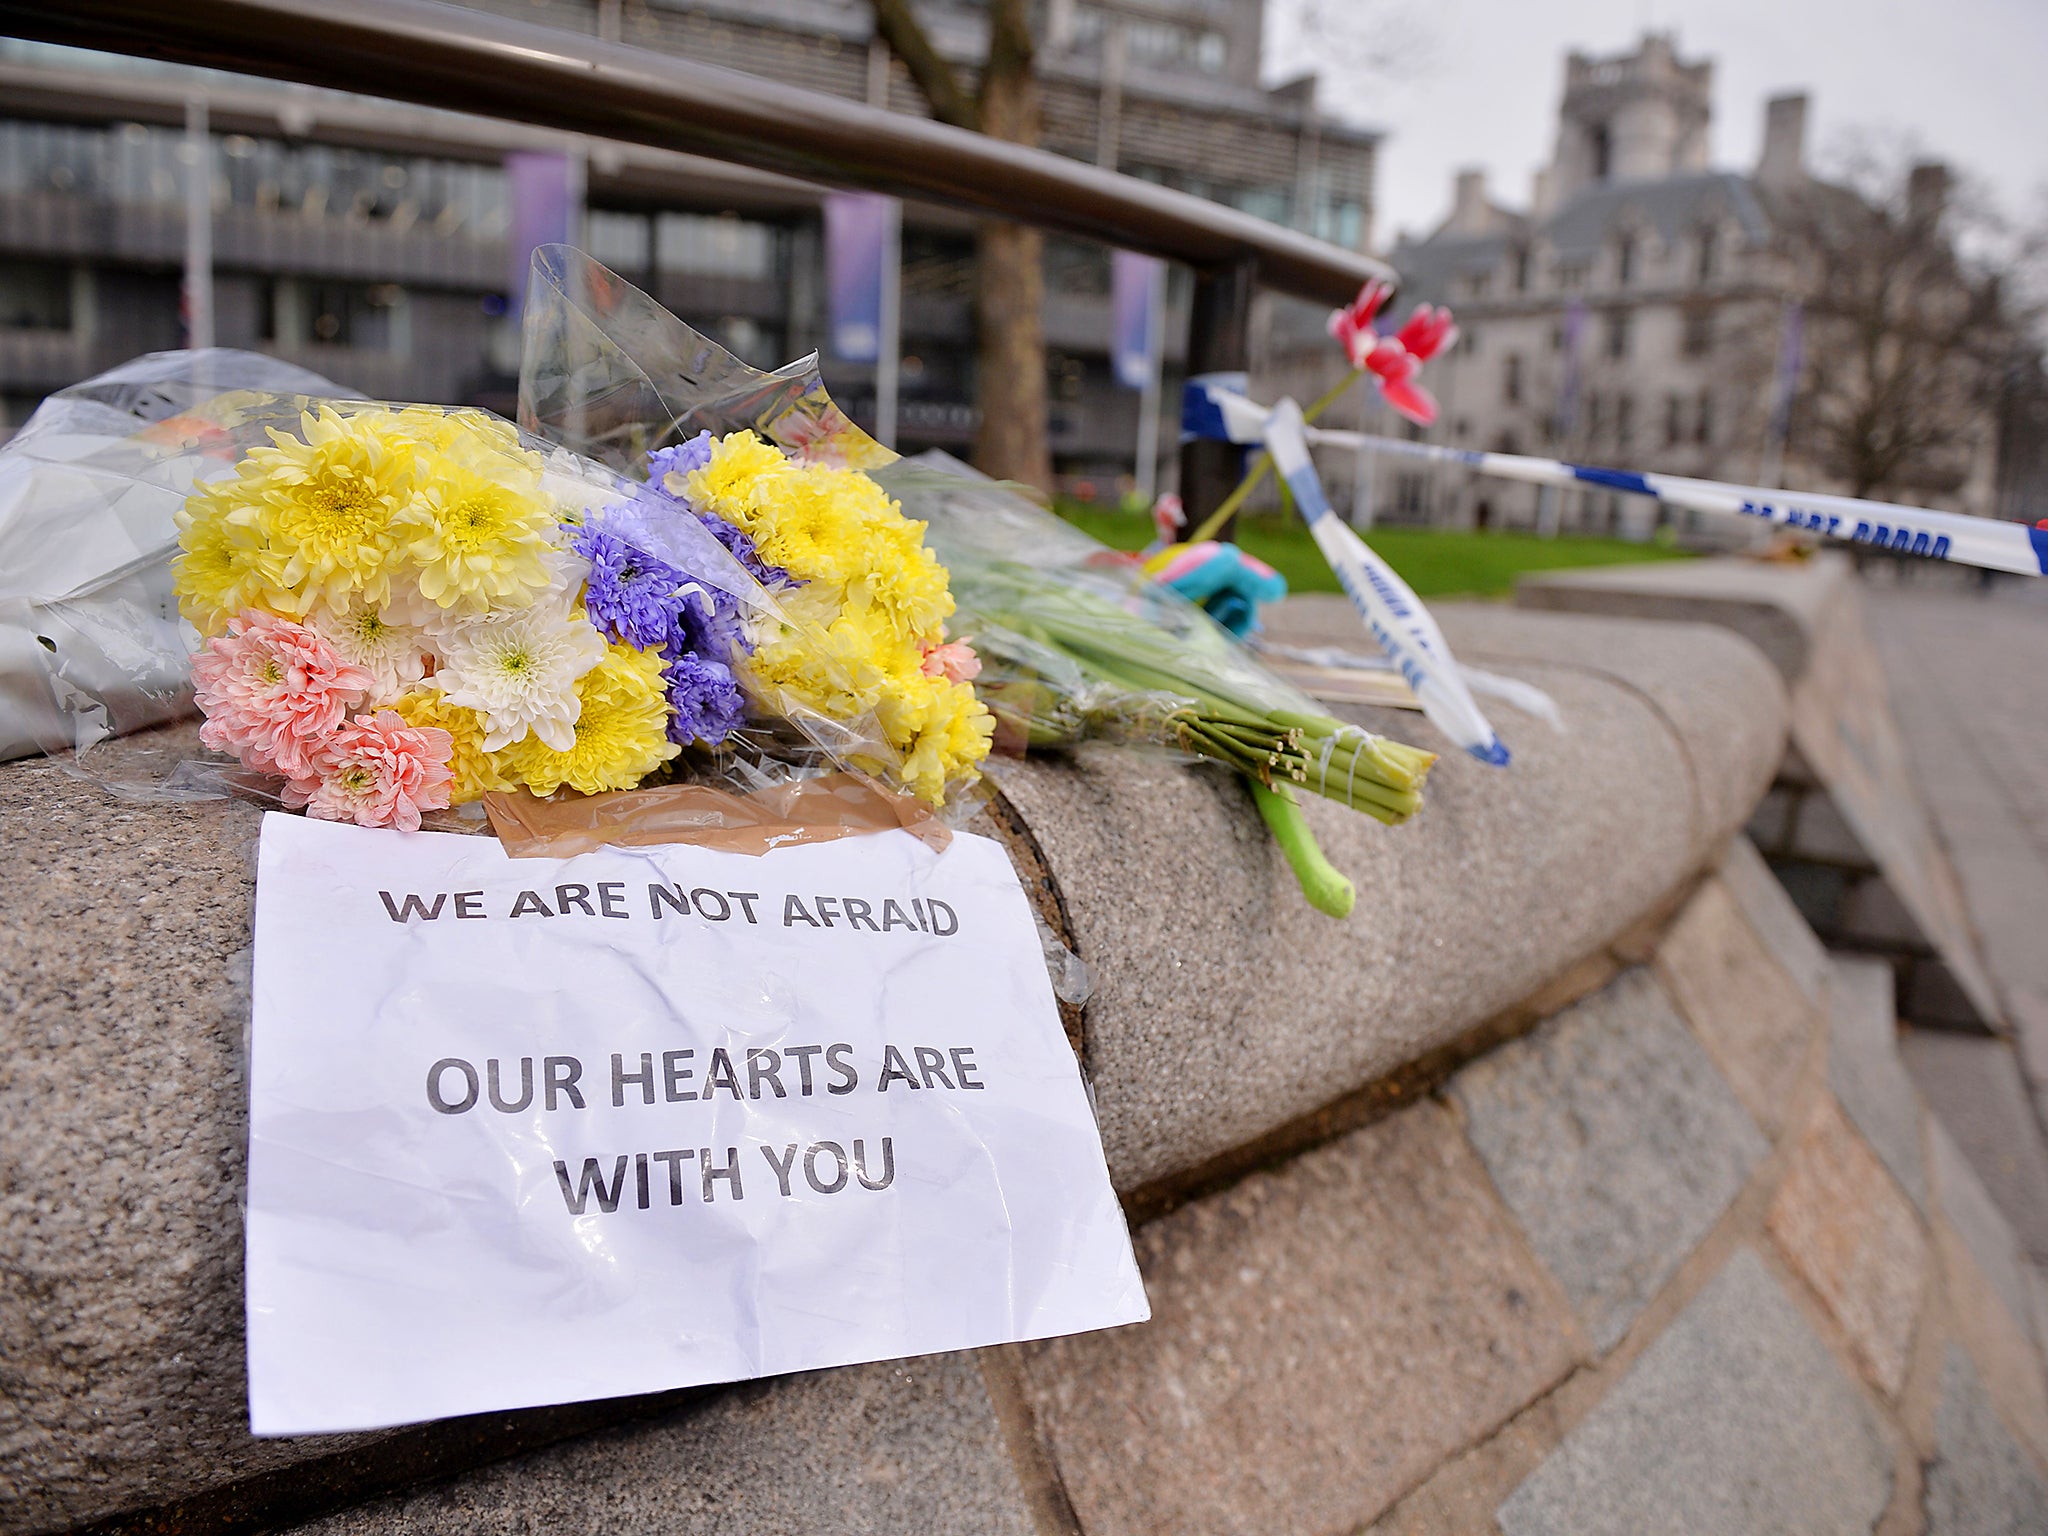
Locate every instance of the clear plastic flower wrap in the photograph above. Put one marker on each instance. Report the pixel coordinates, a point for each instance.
(1069, 640)
(382, 611)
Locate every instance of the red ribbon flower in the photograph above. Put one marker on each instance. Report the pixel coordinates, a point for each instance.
(1394, 360)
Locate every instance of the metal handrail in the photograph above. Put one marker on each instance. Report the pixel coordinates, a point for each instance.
(443, 55)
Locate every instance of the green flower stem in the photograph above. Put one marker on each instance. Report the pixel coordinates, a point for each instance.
(1263, 464)
(1328, 891)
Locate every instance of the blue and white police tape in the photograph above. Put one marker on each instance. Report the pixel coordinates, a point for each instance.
(1990, 542)
(1393, 613)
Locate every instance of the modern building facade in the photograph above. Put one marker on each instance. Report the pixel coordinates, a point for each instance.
(1645, 311)
(368, 241)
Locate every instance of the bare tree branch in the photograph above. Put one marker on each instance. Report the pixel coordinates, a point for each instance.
(932, 75)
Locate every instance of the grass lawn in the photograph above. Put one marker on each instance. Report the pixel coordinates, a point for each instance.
(1434, 562)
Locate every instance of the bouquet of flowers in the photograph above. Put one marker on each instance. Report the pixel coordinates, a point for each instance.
(405, 608)
(1072, 642)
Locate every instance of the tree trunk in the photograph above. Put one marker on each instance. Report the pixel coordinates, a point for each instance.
(1010, 279)
(1010, 355)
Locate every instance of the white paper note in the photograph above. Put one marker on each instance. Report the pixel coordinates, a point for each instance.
(686, 1117)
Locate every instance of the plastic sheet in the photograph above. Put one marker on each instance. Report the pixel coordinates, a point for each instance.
(90, 515)
(89, 487)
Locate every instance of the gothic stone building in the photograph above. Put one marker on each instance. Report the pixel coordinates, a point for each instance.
(1633, 315)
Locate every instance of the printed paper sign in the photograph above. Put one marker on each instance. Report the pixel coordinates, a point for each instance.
(530, 1131)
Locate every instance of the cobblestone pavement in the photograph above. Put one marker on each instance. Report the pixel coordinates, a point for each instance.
(1968, 671)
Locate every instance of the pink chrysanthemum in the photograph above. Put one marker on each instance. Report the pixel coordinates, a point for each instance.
(273, 692)
(377, 771)
(955, 660)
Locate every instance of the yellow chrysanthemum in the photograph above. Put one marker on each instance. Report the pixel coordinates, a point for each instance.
(479, 531)
(320, 513)
(827, 527)
(474, 769)
(456, 431)
(621, 731)
(952, 738)
(872, 598)
(220, 568)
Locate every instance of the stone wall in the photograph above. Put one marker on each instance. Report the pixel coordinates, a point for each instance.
(1568, 1187)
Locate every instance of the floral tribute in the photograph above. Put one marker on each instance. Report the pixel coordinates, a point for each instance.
(398, 615)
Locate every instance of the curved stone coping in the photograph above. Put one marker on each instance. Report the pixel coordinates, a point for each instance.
(1780, 607)
(1224, 1010)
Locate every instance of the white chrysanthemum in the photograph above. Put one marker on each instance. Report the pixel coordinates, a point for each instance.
(519, 670)
(392, 652)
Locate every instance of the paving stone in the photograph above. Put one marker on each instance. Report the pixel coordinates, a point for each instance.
(1866, 1074)
(1736, 1421)
(1615, 1143)
(1771, 912)
(1322, 1337)
(1980, 1482)
(1850, 1233)
(1974, 1087)
(910, 1447)
(1754, 1019)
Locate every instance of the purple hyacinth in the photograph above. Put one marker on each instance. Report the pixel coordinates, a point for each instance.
(632, 597)
(705, 699)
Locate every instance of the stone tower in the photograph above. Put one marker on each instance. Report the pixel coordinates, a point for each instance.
(1639, 117)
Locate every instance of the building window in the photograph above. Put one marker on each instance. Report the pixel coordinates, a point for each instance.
(1674, 419)
(1624, 421)
(1603, 152)
(35, 296)
(1479, 283)
(1699, 330)
(1156, 44)
(1571, 275)
(622, 241)
(715, 245)
(1625, 261)
(1411, 495)
(1521, 269)
(1710, 240)
(1511, 379)
(369, 317)
(1617, 333)
(1703, 423)
(1596, 414)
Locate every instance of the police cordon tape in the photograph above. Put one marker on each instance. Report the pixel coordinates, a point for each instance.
(1215, 406)
(1394, 614)
(1989, 542)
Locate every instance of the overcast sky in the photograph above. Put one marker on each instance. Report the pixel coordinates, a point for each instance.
(1482, 79)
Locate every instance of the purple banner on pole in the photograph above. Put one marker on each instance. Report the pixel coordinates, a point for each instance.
(857, 229)
(543, 191)
(1134, 315)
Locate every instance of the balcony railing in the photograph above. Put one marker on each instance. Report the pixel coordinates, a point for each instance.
(439, 55)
